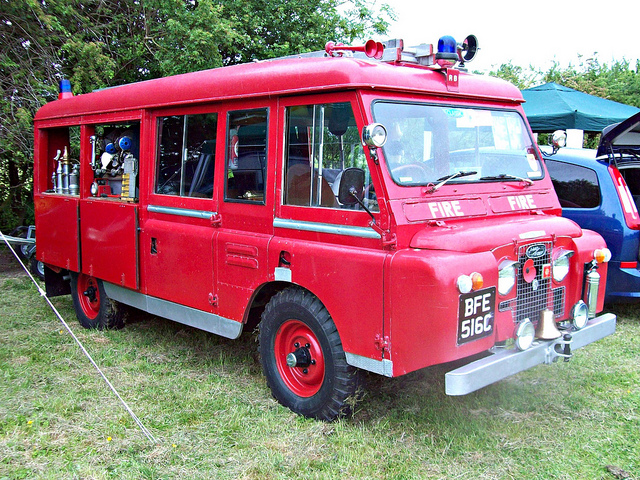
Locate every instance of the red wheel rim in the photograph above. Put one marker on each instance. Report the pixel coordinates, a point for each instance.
(303, 380)
(90, 303)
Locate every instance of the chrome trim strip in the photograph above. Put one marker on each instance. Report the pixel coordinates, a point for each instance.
(182, 212)
(381, 367)
(208, 322)
(346, 230)
(505, 363)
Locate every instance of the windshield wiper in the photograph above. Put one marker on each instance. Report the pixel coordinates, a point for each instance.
(447, 178)
(506, 176)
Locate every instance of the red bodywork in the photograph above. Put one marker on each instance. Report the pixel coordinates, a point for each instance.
(392, 296)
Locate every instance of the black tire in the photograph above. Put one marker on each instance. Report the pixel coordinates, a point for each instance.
(321, 385)
(94, 309)
(22, 250)
(36, 267)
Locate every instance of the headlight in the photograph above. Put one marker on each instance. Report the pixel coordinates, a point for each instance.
(506, 276)
(561, 265)
(374, 135)
(579, 315)
(525, 334)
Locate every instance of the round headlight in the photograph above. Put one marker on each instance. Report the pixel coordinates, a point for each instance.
(525, 334)
(561, 266)
(579, 315)
(374, 135)
(506, 277)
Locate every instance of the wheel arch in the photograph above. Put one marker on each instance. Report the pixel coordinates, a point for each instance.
(261, 297)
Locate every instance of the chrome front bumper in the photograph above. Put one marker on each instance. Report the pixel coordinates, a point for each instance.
(505, 363)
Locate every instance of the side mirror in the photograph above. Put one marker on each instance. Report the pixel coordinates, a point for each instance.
(558, 140)
(351, 189)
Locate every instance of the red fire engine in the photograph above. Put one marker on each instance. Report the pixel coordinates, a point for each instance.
(373, 208)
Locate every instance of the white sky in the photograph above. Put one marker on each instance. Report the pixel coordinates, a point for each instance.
(525, 33)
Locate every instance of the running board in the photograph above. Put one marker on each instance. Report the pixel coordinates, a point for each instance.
(209, 322)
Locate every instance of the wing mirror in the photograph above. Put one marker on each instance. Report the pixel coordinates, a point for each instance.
(351, 186)
(558, 140)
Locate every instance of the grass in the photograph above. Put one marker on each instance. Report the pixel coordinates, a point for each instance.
(207, 404)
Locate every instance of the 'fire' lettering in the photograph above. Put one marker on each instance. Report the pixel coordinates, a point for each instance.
(445, 209)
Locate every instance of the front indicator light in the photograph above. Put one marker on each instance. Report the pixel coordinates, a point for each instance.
(525, 335)
(602, 255)
(579, 315)
(476, 281)
(506, 277)
(464, 283)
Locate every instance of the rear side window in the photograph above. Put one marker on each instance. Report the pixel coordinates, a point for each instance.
(186, 150)
(576, 186)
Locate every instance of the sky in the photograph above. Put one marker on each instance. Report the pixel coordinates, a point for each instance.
(525, 33)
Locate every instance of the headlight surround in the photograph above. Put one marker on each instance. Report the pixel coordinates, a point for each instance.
(506, 276)
(561, 265)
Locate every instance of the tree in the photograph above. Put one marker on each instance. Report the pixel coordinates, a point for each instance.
(102, 43)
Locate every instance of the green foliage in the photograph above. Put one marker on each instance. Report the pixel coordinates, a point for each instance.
(102, 43)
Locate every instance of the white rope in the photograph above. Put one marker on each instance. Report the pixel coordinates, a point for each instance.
(43, 294)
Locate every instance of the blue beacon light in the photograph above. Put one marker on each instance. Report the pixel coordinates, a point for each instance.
(65, 89)
(447, 49)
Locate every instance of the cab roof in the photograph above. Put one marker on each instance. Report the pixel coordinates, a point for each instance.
(288, 76)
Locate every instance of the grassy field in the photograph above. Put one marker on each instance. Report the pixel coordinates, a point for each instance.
(208, 406)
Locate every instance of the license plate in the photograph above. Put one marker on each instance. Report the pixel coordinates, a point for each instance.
(476, 315)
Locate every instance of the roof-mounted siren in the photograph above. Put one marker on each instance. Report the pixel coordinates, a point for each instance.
(65, 89)
(371, 49)
(468, 49)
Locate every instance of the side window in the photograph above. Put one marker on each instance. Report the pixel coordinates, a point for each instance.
(63, 160)
(322, 141)
(186, 155)
(576, 187)
(246, 155)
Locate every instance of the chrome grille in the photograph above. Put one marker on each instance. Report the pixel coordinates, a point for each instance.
(535, 296)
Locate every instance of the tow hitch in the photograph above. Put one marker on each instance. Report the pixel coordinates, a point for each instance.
(561, 348)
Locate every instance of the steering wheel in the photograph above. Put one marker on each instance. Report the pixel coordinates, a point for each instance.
(416, 172)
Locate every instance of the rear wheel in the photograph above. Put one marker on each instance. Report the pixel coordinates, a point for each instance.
(93, 307)
(302, 357)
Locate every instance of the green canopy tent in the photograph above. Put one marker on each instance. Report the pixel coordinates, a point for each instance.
(552, 107)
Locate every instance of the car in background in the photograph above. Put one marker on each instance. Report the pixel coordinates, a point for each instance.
(600, 191)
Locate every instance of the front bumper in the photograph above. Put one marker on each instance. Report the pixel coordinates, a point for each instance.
(505, 363)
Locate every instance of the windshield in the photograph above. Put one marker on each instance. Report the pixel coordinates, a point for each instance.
(426, 144)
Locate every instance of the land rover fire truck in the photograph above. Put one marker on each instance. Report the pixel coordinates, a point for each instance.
(369, 208)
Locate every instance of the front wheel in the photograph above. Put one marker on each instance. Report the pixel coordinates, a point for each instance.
(302, 357)
(93, 307)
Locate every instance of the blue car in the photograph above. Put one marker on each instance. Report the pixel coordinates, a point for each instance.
(600, 190)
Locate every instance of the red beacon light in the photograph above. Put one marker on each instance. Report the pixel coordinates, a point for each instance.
(371, 49)
(65, 89)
